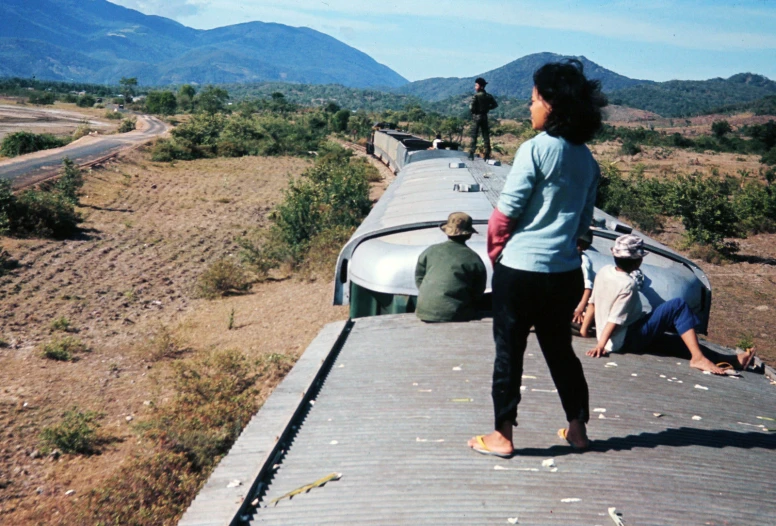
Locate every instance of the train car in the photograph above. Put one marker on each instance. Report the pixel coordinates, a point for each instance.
(375, 269)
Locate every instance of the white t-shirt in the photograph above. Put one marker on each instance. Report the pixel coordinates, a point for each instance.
(587, 271)
(436, 143)
(616, 299)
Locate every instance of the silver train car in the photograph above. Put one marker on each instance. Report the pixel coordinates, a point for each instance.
(376, 268)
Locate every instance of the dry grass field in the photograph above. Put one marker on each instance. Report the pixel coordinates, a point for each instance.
(150, 230)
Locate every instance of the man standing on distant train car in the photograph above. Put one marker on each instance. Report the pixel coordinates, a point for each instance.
(481, 104)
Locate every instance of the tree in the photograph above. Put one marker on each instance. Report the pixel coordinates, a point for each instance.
(161, 102)
(339, 121)
(186, 95)
(86, 101)
(128, 85)
(212, 99)
(720, 128)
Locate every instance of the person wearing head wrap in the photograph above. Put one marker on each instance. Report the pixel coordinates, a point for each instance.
(621, 322)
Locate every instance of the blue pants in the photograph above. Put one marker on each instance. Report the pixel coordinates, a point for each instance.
(672, 315)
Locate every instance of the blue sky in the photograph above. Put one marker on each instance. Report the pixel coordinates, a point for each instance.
(657, 40)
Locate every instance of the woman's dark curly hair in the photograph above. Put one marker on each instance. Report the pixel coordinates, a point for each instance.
(576, 101)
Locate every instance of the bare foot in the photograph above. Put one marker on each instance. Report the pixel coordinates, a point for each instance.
(704, 364)
(576, 435)
(745, 358)
(495, 442)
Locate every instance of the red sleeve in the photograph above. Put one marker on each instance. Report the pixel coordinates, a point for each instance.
(499, 229)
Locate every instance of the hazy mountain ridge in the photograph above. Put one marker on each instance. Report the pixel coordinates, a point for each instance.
(96, 41)
(512, 80)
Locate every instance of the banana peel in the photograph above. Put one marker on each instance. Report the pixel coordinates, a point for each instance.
(304, 489)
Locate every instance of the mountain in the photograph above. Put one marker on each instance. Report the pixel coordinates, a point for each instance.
(512, 80)
(683, 98)
(100, 42)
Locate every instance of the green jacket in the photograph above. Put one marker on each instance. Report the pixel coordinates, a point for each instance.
(450, 278)
(482, 103)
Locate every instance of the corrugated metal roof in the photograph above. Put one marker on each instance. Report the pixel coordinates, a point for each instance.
(395, 413)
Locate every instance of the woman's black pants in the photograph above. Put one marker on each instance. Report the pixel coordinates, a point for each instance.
(521, 300)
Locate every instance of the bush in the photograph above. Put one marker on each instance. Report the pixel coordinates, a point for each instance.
(45, 214)
(85, 101)
(21, 143)
(81, 131)
(63, 349)
(69, 184)
(128, 125)
(223, 277)
(706, 210)
(60, 324)
(630, 148)
(164, 344)
(114, 115)
(635, 198)
(6, 262)
(42, 98)
(215, 398)
(755, 207)
(76, 433)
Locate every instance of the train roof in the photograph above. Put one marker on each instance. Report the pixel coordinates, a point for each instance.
(396, 399)
(382, 253)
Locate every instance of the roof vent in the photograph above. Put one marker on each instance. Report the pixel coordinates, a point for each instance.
(460, 187)
(457, 165)
(494, 162)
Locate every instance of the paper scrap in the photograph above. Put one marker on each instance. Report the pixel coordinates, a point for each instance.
(461, 400)
(427, 440)
(528, 377)
(634, 374)
(701, 387)
(696, 417)
(502, 468)
(601, 417)
(512, 520)
(457, 368)
(610, 364)
(425, 390)
(657, 415)
(549, 463)
(662, 376)
(544, 390)
(599, 410)
(766, 418)
(570, 500)
(234, 484)
(523, 388)
(616, 517)
(554, 470)
(333, 443)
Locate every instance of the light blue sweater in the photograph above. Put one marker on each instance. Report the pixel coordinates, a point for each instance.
(551, 191)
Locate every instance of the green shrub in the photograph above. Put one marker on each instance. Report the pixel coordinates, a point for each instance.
(42, 98)
(705, 207)
(85, 101)
(76, 433)
(69, 184)
(21, 143)
(63, 349)
(114, 115)
(225, 276)
(634, 198)
(7, 206)
(755, 207)
(46, 214)
(6, 262)
(128, 125)
(81, 131)
(769, 157)
(630, 148)
(60, 324)
(165, 150)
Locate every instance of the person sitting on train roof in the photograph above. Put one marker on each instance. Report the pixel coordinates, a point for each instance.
(583, 243)
(437, 141)
(623, 326)
(450, 276)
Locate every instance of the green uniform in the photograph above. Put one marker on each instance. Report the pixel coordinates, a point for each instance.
(482, 103)
(450, 278)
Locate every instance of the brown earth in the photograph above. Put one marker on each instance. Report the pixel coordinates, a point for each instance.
(150, 230)
(60, 119)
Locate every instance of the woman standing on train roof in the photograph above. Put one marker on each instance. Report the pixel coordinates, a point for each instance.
(545, 206)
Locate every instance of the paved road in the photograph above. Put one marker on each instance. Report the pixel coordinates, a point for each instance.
(34, 167)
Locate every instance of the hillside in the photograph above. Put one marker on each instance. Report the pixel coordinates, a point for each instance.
(512, 80)
(99, 42)
(681, 98)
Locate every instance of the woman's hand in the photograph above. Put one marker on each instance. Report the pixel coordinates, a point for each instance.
(599, 351)
(579, 315)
